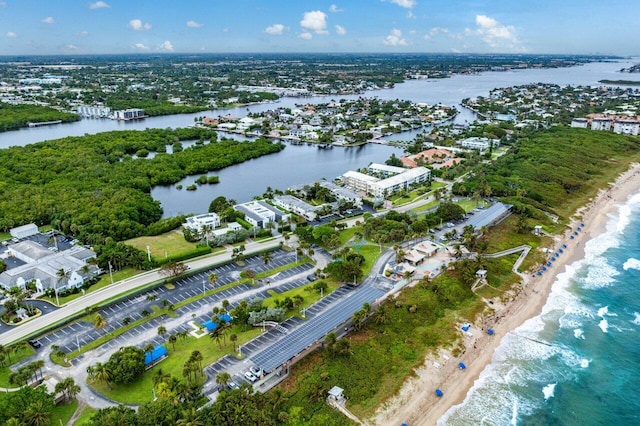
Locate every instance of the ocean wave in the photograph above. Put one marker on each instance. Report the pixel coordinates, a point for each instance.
(549, 391)
(584, 363)
(636, 320)
(578, 333)
(631, 263)
(604, 325)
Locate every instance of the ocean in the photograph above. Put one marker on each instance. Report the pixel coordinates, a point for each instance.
(578, 362)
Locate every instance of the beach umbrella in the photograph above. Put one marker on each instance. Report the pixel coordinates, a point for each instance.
(490, 331)
(575, 232)
(579, 229)
(549, 264)
(544, 268)
(553, 258)
(439, 392)
(561, 251)
(582, 224)
(557, 254)
(571, 237)
(564, 245)
(461, 365)
(539, 273)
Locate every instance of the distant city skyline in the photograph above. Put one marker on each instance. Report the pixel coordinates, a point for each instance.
(45, 27)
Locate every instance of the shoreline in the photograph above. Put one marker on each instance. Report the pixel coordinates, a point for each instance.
(416, 402)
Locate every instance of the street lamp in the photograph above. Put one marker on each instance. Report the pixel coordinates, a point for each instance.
(203, 288)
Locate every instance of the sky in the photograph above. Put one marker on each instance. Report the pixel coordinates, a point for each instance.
(45, 27)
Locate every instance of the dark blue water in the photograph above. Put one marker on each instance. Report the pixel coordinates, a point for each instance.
(589, 375)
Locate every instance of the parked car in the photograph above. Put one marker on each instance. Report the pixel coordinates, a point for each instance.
(311, 277)
(35, 343)
(250, 377)
(255, 371)
(232, 385)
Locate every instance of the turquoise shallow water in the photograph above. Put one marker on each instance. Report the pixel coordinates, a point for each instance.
(588, 372)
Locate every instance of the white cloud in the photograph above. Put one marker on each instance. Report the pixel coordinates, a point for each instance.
(306, 36)
(141, 46)
(407, 4)
(11, 34)
(395, 38)
(71, 47)
(275, 29)
(166, 47)
(340, 30)
(48, 20)
(335, 9)
(194, 24)
(435, 31)
(83, 33)
(99, 5)
(410, 15)
(315, 21)
(496, 35)
(137, 25)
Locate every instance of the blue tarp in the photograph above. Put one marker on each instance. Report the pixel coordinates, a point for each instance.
(490, 331)
(210, 325)
(461, 365)
(439, 392)
(157, 353)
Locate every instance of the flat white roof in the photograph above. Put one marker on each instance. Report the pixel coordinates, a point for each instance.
(360, 176)
(406, 176)
(386, 168)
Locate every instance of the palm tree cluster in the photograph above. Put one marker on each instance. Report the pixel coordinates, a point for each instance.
(192, 368)
(68, 387)
(27, 374)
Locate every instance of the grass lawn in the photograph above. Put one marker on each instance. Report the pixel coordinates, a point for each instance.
(16, 357)
(139, 391)
(309, 295)
(504, 236)
(102, 282)
(303, 260)
(62, 413)
(469, 204)
(371, 253)
(168, 244)
(84, 418)
(346, 234)
(5, 236)
(423, 208)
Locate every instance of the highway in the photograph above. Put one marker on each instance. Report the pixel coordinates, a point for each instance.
(36, 325)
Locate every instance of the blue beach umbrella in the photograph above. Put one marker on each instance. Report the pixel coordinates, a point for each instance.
(561, 251)
(571, 237)
(490, 331)
(461, 365)
(557, 254)
(439, 392)
(544, 268)
(564, 245)
(539, 273)
(553, 259)
(582, 224)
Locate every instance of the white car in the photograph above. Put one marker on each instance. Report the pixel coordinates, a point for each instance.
(250, 377)
(255, 371)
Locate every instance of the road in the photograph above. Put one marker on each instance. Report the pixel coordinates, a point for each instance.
(79, 305)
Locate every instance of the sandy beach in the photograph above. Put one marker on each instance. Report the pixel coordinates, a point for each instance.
(416, 403)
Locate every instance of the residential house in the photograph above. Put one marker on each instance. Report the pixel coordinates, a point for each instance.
(202, 222)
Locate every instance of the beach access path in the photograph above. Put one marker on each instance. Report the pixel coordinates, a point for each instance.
(416, 403)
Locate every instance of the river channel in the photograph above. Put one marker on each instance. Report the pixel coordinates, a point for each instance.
(303, 163)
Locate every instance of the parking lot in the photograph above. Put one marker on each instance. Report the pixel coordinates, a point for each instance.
(78, 334)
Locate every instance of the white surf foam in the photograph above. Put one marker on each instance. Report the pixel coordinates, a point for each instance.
(549, 391)
(631, 263)
(510, 371)
(604, 325)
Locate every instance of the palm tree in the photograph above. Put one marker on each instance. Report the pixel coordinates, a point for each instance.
(196, 356)
(69, 387)
(234, 338)
(381, 315)
(173, 339)
(37, 367)
(190, 418)
(37, 414)
(159, 376)
(222, 379)
(3, 353)
(225, 305)
(183, 334)
(217, 336)
(213, 279)
(162, 330)
(267, 257)
(148, 348)
(102, 373)
(99, 322)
